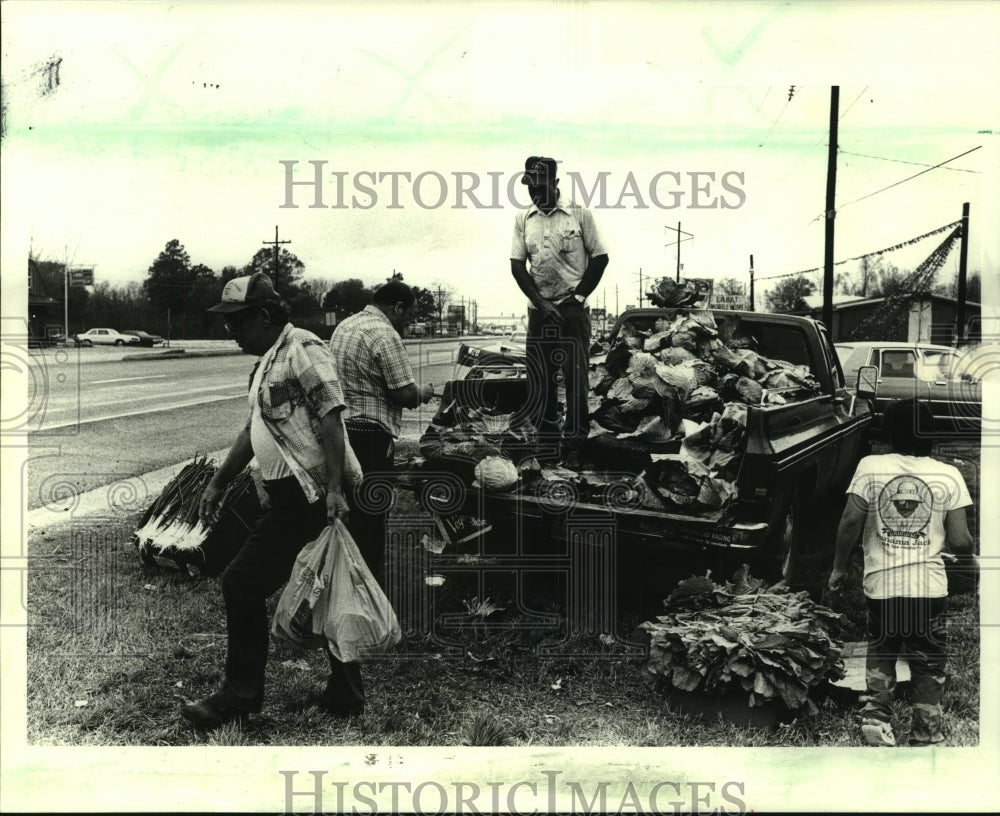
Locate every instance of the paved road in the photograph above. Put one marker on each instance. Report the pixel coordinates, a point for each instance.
(106, 420)
(77, 388)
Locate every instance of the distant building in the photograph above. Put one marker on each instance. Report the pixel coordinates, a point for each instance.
(46, 311)
(921, 319)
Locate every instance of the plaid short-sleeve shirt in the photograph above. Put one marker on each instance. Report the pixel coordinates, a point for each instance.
(298, 387)
(371, 360)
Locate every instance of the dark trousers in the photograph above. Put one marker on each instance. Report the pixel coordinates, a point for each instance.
(555, 347)
(262, 567)
(374, 447)
(909, 627)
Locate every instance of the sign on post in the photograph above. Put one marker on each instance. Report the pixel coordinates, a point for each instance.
(81, 277)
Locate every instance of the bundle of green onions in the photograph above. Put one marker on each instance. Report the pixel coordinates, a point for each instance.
(171, 527)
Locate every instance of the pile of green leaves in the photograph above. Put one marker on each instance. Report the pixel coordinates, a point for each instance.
(743, 635)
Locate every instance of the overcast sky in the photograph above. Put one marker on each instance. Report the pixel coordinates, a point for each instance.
(170, 121)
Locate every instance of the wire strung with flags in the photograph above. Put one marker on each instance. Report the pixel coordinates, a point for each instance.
(894, 309)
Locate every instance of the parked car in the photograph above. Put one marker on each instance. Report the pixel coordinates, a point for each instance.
(928, 372)
(145, 338)
(105, 337)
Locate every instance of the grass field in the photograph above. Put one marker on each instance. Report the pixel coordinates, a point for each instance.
(115, 648)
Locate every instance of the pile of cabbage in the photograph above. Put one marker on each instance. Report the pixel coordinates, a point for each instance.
(678, 388)
(668, 405)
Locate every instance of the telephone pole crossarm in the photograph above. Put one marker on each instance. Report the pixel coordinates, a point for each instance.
(678, 243)
(276, 243)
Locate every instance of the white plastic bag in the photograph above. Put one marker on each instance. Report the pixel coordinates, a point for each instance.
(333, 599)
(359, 622)
(303, 603)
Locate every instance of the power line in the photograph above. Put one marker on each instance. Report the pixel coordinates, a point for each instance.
(774, 124)
(903, 161)
(762, 101)
(852, 104)
(909, 178)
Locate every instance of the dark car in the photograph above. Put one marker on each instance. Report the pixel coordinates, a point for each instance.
(145, 338)
(928, 372)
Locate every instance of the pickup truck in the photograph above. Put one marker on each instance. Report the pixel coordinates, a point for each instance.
(800, 445)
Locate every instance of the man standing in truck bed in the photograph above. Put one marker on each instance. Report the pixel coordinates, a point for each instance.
(567, 258)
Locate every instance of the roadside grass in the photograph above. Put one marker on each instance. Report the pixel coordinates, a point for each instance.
(112, 657)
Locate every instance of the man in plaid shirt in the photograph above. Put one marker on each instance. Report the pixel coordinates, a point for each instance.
(295, 430)
(378, 382)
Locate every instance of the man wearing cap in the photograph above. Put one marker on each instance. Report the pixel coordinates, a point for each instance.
(557, 257)
(295, 430)
(378, 382)
(906, 507)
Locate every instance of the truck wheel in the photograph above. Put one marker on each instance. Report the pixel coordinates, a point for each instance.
(783, 545)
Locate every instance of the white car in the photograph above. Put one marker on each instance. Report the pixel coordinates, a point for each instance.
(105, 337)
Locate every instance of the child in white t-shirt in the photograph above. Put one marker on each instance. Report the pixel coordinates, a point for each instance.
(908, 507)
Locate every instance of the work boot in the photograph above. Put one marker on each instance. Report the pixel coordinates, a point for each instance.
(878, 732)
(336, 708)
(219, 709)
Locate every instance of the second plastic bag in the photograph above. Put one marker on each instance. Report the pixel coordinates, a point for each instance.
(359, 622)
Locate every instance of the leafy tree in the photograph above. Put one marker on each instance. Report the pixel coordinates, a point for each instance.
(425, 309)
(890, 280)
(787, 294)
(287, 275)
(227, 274)
(973, 288)
(730, 287)
(168, 281)
(317, 289)
(78, 308)
(204, 294)
(347, 297)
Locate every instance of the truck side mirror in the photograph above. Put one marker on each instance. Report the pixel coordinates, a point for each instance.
(867, 382)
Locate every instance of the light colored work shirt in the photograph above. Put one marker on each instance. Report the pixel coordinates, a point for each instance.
(557, 246)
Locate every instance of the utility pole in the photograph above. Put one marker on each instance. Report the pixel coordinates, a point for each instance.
(440, 309)
(678, 251)
(276, 242)
(963, 259)
(640, 287)
(751, 283)
(678, 242)
(617, 312)
(831, 189)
